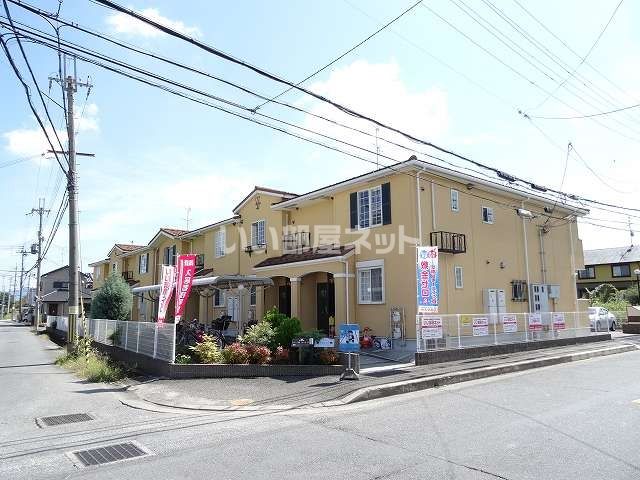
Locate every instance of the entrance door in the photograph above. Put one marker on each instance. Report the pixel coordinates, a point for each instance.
(540, 298)
(325, 305)
(284, 299)
(233, 307)
(52, 309)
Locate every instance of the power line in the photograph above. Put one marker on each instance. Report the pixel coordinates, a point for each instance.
(26, 87)
(584, 59)
(589, 115)
(344, 54)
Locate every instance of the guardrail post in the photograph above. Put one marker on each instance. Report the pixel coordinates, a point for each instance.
(126, 334)
(173, 344)
(138, 339)
(155, 339)
(459, 333)
(526, 327)
(551, 325)
(495, 328)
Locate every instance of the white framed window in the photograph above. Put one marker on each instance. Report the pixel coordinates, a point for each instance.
(370, 207)
(457, 273)
(370, 282)
(487, 214)
(170, 254)
(143, 263)
(220, 243)
(258, 234)
(218, 298)
(252, 296)
(455, 200)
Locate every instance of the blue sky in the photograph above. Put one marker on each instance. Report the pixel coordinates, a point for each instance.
(157, 154)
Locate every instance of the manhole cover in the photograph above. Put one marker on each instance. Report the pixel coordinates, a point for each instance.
(63, 419)
(109, 454)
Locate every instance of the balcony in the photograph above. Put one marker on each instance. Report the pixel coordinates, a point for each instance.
(449, 242)
(296, 241)
(127, 275)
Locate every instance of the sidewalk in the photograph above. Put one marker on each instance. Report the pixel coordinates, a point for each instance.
(300, 392)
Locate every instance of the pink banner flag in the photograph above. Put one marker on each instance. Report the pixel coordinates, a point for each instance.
(186, 271)
(166, 290)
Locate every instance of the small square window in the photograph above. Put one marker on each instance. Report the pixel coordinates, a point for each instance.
(519, 291)
(370, 285)
(218, 298)
(487, 215)
(588, 272)
(620, 270)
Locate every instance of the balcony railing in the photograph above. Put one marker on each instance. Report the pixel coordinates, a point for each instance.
(127, 275)
(296, 241)
(449, 242)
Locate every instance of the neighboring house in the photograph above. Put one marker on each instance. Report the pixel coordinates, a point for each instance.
(614, 266)
(347, 250)
(55, 291)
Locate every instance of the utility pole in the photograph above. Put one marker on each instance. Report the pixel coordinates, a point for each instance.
(40, 211)
(15, 273)
(3, 300)
(70, 85)
(23, 253)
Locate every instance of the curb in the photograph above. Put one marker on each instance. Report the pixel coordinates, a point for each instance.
(387, 389)
(397, 388)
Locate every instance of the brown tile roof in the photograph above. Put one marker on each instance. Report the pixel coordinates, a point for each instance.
(328, 251)
(204, 272)
(264, 189)
(174, 232)
(128, 247)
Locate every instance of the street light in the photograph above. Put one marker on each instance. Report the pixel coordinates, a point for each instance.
(637, 274)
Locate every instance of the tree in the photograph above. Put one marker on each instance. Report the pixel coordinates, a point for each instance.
(113, 300)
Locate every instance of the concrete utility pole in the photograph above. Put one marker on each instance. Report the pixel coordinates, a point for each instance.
(15, 273)
(4, 301)
(40, 211)
(70, 85)
(23, 253)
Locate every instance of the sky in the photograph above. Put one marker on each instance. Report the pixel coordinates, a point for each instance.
(435, 73)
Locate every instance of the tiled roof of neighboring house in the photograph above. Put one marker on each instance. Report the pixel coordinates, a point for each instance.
(61, 296)
(87, 276)
(612, 255)
(311, 254)
(128, 247)
(174, 232)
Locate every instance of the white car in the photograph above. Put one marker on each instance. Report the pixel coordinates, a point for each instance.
(600, 319)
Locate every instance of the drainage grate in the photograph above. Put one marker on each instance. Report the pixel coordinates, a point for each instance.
(109, 454)
(63, 419)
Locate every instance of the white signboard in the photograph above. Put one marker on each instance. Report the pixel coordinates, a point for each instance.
(509, 323)
(535, 321)
(558, 321)
(480, 326)
(431, 327)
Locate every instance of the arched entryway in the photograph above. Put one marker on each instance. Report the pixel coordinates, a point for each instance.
(279, 295)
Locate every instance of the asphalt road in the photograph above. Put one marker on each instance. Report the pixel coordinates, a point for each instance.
(571, 421)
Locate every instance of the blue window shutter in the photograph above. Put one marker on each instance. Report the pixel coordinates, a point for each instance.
(353, 208)
(386, 203)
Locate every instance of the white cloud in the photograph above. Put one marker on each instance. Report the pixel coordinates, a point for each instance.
(123, 23)
(378, 91)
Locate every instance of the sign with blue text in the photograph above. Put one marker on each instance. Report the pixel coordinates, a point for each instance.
(428, 279)
(349, 337)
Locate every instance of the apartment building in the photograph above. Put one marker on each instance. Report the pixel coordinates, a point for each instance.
(347, 251)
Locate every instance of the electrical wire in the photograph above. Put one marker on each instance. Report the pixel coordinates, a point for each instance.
(584, 59)
(320, 97)
(589, 115)
(344, 54)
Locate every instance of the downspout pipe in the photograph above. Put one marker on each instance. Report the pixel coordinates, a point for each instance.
(419, 208)
(543, 266)
(526, 260)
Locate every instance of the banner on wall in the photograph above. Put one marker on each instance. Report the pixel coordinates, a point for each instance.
(558, 321)
(431, 327)
(509, 323)
(428, 279)
(480, 326)
(185, 272)
(167, 280)
(535, 322)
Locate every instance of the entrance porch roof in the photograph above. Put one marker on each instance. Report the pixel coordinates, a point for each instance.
(223, 282)
(320, 254)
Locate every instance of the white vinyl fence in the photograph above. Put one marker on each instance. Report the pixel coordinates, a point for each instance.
(156, 340)
(435, 332)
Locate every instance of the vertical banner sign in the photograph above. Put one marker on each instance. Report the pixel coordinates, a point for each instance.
(509, 323)
(535, 322)
(431, 327)
(480, 326)
(428, 279)
(185, 273)
(166, 290)
(558, 321)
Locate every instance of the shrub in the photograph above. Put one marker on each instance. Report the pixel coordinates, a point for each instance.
(261, 335)
(274, 317)
(258, 354)
(113, 300)
(183, 359)
(235, 353)
(280, 355)
(207, 350)
(92, 366)
(288, 329)
(329, 356)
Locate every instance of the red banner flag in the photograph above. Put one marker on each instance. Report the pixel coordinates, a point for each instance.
(166, 290)
(186, 272)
